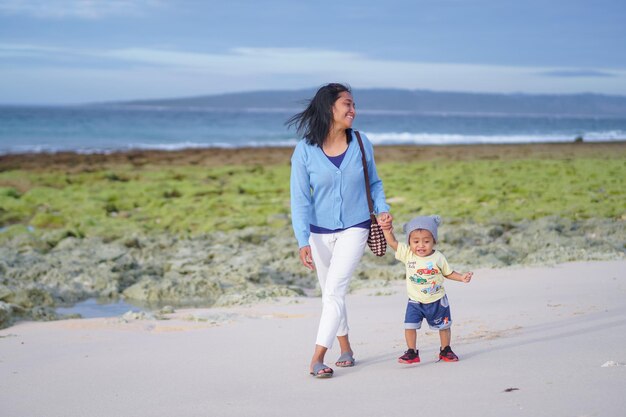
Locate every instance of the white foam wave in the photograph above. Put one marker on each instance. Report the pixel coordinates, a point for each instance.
(175, 146)
(380, 139)
(223, 145)
(405, 138)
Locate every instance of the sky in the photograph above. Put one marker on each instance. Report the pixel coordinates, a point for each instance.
(76, 51)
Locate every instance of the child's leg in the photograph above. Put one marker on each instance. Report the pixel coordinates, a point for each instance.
(410, 335)
(445, 336)
(438, 317)
(446, 354)
(410, 356)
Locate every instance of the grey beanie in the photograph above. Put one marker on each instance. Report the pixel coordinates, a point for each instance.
(429, 223)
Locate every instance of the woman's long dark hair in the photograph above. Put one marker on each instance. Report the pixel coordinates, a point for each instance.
(315, 121)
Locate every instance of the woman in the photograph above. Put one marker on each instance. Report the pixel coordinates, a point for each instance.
(329, 209)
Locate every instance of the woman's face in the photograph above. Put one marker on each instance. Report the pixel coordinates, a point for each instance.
(343, 111)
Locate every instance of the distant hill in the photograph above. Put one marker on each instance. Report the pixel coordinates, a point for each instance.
(420, 101)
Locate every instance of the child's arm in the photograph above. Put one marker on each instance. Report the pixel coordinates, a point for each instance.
(455, 276)
(387, 227)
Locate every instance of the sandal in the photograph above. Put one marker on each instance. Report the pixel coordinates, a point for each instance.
(319, 371)
(346, 360)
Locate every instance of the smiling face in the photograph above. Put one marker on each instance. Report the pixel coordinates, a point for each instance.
(421, 242)
(344, 111)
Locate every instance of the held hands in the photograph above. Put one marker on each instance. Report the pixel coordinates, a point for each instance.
(385, 220)
(306, 258)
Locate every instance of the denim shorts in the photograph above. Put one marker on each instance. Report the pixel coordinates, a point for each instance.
(437, 314)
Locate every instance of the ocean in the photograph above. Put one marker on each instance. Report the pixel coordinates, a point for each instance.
(92, 129)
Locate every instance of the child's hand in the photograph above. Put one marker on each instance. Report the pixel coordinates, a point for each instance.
(385, 221)
(385, 226)
(467, 277)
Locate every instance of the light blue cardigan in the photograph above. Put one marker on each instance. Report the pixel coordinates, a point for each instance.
(331, 197)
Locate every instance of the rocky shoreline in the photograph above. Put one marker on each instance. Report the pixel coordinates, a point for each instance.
(211, 157)
(40, 273)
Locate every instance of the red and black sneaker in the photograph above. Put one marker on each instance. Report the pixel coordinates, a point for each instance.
(410, 356)
(447, 355)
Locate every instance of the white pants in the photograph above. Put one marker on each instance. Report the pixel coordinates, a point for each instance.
(336, 256)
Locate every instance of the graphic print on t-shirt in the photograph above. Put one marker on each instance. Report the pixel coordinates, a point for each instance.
(422, 275)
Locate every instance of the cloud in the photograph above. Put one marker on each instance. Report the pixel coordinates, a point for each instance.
(577, 73)
(75, 9)
(240, 60)
(127, 73)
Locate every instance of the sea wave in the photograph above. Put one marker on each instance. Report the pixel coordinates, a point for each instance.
(379, 139)
(173, 146)
(407, 138)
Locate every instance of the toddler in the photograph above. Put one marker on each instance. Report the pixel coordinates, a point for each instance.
(426, 268)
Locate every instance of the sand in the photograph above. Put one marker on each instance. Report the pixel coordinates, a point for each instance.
(540, 341)
(533, 341)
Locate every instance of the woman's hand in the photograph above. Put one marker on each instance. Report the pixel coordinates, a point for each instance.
(306, 258)
(385, 220)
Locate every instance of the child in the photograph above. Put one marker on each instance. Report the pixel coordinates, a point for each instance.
(425, 270)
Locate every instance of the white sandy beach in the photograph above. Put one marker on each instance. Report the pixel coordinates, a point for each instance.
(543, 332)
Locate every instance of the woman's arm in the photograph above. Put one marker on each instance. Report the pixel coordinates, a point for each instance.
(300, 189)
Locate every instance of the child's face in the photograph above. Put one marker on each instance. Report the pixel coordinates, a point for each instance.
(421, 242)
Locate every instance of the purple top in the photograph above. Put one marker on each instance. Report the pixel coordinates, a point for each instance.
(337, 160)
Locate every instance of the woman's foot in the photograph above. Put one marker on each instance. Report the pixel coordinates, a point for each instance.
(346, 360)
(319, 370)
